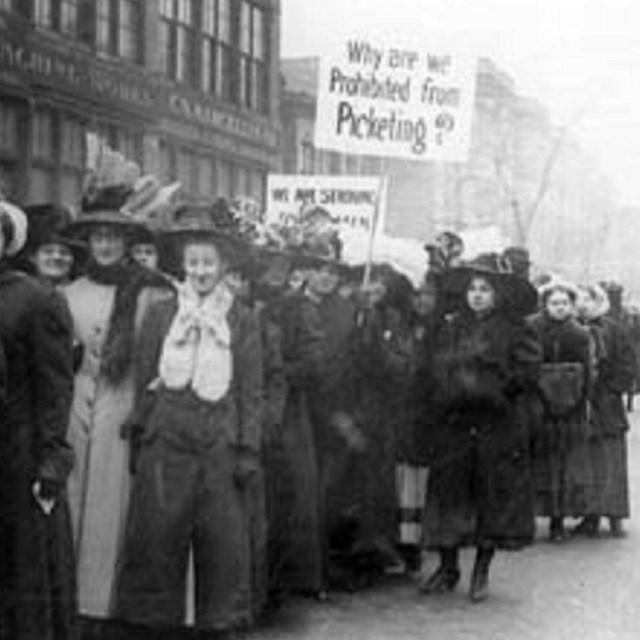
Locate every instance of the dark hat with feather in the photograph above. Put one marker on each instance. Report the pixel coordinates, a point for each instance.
(49, 224)
(517, 296)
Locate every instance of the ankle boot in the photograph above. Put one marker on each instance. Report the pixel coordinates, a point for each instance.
(556, 530)
(446, 576)
(616, 528)
(589, 527)
(479, 589)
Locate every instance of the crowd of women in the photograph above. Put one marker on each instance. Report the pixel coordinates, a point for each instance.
(201, 421)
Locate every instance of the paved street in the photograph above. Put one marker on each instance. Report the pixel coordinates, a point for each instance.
(579, 590)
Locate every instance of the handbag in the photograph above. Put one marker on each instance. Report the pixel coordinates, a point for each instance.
(562, 387)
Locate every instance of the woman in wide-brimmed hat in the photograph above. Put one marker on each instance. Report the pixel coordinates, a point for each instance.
(199, 418)
(37, 590)
(107, 305)
(50, 253)
(480, 489)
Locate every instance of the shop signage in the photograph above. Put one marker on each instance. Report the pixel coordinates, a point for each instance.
(95, 80)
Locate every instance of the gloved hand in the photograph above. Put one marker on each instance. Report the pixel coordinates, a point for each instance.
(46, 491)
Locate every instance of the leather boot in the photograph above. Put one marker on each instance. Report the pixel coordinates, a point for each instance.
(589, 527)
(616, 528)
(479, 589)
(556, 530)
(446, 576)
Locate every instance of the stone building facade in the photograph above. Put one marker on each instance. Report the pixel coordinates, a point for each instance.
(187, 88)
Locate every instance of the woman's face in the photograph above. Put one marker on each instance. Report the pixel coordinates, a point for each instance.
(203, 266)
(323, 281)
(559, 305)
(481, 296)
(585, 304)
(146, 255)
(53, 261)
(424, 301)
(108, 245)
(296, 279)
(238, 284)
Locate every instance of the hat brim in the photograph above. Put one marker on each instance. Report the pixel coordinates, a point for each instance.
(518, 296)
(85, 223)
(171, 243)
(79, 249)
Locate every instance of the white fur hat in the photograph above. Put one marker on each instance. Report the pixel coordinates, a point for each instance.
(19, 222)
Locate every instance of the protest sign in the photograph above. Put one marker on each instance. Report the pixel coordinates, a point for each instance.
(384, 98)
(351, 200)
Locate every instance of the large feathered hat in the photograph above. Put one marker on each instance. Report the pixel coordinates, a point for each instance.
(517, 295)
(203, 220)
(49, 224)
(115, 193)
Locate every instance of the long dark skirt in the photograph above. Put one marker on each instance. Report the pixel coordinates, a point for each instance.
(304, 561)
(480, 493)
(608, 493)
(563, 469)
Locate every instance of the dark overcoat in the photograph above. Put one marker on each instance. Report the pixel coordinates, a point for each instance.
(37, 584)
(480, 487)
(304, 561)
(560, 455)
(609, 495)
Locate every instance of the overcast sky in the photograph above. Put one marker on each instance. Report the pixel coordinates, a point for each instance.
(573, 55)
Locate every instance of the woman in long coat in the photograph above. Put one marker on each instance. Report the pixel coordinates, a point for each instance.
(304, 561)
(37, 599)
(609, 491)
(200, 412)
(107, 306)
(480, 489)
(562, 468)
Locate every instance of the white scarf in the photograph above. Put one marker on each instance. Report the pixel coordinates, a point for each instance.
(197, 349)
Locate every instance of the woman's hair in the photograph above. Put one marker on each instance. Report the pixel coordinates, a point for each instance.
(558, 287)
(600, 298)
(7, 228)
(490, 281)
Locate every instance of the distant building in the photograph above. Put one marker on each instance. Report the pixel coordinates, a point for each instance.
(512, 142)
(187, 88)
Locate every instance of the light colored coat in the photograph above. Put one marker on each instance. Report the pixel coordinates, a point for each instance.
(99, 483)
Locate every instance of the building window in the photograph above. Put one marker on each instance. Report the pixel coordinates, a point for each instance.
(253, 54)
(118, 28)
(72, 156)
(68, 16)
(59, 15)
(167, 163)
(43, 150)
(256, 185)
(216, 49)
(42, 140)
(187, 171)
(8, 128)
(225, 180)
(177, 39)
(43, 14)
(208, 179)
